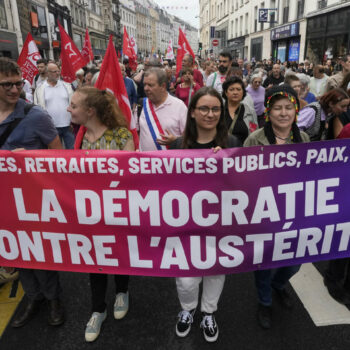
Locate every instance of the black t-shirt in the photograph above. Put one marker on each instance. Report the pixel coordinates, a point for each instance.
(232, 141)
(240, 130)
(272, 80)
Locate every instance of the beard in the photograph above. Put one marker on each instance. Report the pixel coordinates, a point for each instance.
(222, 69)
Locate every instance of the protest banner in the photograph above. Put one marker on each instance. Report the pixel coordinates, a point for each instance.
(175, 213)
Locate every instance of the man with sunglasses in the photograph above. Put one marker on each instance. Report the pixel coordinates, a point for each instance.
(216, 79)
(24, 126)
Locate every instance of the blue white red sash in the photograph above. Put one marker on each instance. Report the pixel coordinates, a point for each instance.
(153, 123)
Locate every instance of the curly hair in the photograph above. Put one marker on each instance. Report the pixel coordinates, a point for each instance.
(230, 81)
(105, 104)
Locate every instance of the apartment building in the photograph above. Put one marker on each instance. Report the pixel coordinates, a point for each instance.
(294, 29)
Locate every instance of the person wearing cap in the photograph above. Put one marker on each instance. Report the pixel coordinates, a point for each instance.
(282, 107)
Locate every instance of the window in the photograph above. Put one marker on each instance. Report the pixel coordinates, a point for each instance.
(3, 20)
(273, 14)
(300, 9)
(262, 23)
(255, 19)
(286, 11)
(39, 27)
(246, 22)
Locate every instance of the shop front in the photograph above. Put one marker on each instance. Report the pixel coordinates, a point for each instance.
(256, 45)
(236, 47)
(328, 35)
(8, 45)
(286, 43)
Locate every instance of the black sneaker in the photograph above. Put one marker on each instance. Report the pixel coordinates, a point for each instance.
(284, 297)
(183, 325)
(264, 316)
(337, 291)
(210, 328)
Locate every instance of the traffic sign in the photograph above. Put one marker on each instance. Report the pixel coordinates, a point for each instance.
(215, 42)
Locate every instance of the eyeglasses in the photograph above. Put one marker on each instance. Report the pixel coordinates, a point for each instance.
(204, 110)
(7, 85)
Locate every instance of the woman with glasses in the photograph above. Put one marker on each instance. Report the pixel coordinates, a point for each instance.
(257, 93)
(205, 129)
(240, 118)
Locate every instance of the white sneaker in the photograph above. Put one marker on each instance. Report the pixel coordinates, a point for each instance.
(92, 330)
(121, 305)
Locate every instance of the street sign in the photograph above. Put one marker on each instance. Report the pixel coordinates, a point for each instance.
(215, 42)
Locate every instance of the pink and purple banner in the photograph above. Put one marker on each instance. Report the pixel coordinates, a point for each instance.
(175, 213)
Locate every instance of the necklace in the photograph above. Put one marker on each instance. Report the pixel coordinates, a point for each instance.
(282, 138)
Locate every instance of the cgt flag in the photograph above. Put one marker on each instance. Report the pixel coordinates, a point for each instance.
(86, 51)
(183, 48)
(71, 58)
(170, 51)
(111, 78)
(128, 50)
(27, 59)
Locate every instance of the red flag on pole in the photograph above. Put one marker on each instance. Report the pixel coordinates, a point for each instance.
(86, 51)
(27, 59)
(183, 48)
(71, 58)
(111, 78)
(128, 50)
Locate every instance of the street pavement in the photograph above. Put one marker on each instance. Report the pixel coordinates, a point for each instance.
(150, 323)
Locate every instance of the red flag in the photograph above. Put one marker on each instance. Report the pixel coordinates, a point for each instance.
(128, 50)
(183, 48)
(86, 51)
(71, 58)
(27, 59)
(111, 78)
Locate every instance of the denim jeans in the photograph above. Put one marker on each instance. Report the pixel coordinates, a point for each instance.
(66, 136)
(265, 280)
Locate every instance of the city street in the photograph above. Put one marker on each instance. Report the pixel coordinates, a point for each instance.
(150, 323)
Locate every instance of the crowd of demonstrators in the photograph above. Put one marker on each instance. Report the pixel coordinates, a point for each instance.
(205, 129)
(105, 128)
(239, 97)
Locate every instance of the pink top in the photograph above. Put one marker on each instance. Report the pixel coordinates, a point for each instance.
(183, 92)
(172, 116)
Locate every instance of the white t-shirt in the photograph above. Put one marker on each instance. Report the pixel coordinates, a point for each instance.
(56, 102)
(218, 79)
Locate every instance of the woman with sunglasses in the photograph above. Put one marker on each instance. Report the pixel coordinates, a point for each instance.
(205, 129)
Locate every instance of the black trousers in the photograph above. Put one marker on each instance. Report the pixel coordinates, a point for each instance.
(98, 284)
(339, 271)
(39, 284)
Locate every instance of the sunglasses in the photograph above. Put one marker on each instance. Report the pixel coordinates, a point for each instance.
(7, 85)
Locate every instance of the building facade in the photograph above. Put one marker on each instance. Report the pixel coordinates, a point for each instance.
(293, 29)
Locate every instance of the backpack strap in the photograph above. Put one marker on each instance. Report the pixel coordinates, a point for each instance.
(214, 80)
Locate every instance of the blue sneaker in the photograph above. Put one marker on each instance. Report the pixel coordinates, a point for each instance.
(121, 305)
(92, 330)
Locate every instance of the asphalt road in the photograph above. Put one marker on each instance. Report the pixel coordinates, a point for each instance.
(150, 323)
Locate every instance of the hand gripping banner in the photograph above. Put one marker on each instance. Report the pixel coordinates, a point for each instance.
(175, 213)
